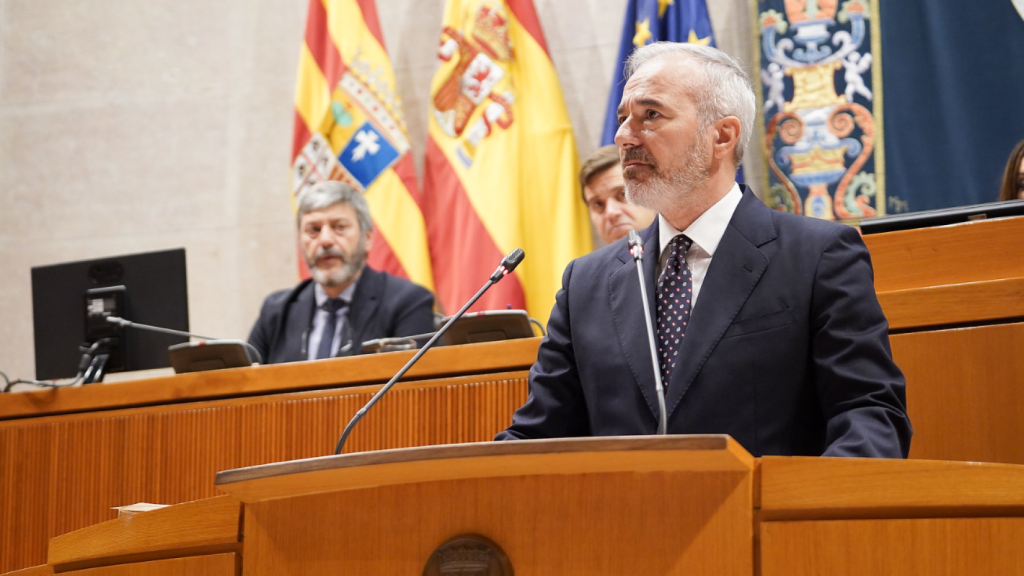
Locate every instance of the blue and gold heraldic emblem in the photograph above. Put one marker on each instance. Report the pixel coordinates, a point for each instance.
(819, 90)
(361, 135)
(367, 154)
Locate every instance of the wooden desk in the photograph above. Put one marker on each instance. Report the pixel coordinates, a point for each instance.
(68, 456)
(954, 297)
(629, 505)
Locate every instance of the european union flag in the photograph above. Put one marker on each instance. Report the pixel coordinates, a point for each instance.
(650, 21)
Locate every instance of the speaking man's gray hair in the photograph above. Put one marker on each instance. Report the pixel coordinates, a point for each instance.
(724, 91)
(330, 192)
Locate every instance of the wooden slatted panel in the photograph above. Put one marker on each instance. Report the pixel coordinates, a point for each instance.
(62, 473)
(443, 362)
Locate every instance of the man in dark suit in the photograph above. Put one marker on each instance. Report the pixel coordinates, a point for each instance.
(346, 302)
(767, 324)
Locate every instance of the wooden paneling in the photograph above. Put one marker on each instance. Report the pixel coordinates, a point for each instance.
(376, 368)
(793, 488)
(211, 565)
(203, 524)
(697, 524)
(926, 547)
(33, 571)
(965, 392)
(63, 473)
(971, 303)
(971, 252)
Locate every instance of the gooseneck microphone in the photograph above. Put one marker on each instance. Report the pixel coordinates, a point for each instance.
(255, 354)
(129, 324)
(508, 264)
(636, 249)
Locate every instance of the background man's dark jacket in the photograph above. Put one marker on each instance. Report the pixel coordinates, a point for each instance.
(382, 306)
(787, 349)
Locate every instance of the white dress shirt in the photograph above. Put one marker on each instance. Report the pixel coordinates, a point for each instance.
(705, 232)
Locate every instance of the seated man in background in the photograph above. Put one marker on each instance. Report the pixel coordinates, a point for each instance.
(346, 302)
(604, 193)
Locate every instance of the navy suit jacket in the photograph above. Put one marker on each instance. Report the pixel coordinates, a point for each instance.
(787, 349)
(383, 306)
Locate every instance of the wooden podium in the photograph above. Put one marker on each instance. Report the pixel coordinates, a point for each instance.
(644, 505)
(693, 505)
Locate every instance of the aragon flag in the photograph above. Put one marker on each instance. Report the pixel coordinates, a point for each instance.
(349, 126)
(501, 161)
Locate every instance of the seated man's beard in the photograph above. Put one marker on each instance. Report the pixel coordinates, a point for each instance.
(664, 190)
(351, 265)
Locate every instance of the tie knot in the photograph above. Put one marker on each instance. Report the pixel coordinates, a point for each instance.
(680, 244)
(332, 305)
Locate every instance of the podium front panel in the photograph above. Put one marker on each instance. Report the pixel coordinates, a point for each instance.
(624, 523)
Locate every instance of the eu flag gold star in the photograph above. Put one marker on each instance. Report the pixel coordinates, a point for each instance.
(692, 39)
(643, 33)
(663, 5)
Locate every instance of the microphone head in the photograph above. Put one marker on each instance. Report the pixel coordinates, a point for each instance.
(508, 264)
(634, 239)
(513, 259)
(636, 245)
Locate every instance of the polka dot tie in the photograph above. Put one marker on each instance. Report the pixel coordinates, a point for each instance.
(675, 290)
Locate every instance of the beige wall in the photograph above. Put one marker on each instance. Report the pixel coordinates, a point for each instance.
(130, 126)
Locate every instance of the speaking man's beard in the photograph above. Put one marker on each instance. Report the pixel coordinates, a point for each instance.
(664, 190)
(351, 265)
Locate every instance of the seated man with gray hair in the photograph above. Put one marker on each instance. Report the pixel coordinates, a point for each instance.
(346, 302)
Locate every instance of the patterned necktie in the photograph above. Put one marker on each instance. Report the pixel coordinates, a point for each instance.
(675, 289)
(331, 306)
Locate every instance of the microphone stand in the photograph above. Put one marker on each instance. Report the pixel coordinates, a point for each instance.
(636, 249)
(254, 353)
(507, 265)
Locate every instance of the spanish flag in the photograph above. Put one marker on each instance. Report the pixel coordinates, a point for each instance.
(349, 126)
(501, 162)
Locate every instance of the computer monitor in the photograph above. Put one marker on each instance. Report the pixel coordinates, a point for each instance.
(942, 217)
(70, 303)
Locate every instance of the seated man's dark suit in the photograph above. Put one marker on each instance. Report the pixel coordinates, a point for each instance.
(787, 349)
(382, 306)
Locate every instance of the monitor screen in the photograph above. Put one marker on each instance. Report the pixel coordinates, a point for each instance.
(942, 217)
(70, 303)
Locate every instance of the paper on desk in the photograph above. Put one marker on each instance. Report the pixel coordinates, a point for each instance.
(136, 508)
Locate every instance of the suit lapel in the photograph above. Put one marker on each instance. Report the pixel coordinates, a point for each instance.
(299, 321)
(627, 312)
(735, 270)
(365, 301)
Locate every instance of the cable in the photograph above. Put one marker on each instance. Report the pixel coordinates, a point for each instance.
(87, 354)
(11, 383)
(539, 325)
(256, 353)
